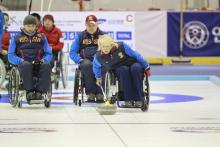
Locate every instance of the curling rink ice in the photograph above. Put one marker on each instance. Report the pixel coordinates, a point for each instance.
(182, 113)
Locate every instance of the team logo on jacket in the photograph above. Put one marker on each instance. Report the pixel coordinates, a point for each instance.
(23, 39)
(196, 35)
(120, 54)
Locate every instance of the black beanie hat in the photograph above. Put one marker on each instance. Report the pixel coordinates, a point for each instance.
(30, 20)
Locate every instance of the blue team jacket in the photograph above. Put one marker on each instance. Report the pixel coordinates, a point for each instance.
(123, 55)
(29, 48)
(84, 46)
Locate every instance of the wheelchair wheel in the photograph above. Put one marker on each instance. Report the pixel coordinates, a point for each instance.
(110, 87)
(76, 86)
(107, 85)
(46, 103)
(13, 88)
(146, 101)
(48, 96)
(63, 69)
(2, 72)
(56, 84)
(60, 71)
(56, 75)
(80, 103)
(20, 104)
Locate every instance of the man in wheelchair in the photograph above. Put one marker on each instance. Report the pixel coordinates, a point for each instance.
(129, 66)
(28, 50)
(82, 52)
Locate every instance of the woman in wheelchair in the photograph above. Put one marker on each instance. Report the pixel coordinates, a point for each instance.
(129, 66)
(55, 39)
(25, 49)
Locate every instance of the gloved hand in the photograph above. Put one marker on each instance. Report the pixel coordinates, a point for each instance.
(147, 72)
(4, 52)
(99, 82)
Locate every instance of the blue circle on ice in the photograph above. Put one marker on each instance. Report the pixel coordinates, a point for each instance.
(174, 98)
(163, 98)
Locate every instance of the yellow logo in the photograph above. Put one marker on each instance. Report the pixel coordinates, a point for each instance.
(120, 54)
(23, 39)
(36, 39)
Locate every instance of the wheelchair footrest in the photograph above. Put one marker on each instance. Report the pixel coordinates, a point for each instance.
(122, 104)
(36, 101)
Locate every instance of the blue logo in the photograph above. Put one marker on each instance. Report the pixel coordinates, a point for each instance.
(110, 33)
(13, 33)
(101, 21)
(115, 22)
(71, 36)
(65, 36)
(123, 36)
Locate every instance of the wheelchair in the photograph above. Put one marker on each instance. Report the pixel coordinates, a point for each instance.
(60, 71)
(113, 92)
(2, 72)
(17, 93)
(79, 88)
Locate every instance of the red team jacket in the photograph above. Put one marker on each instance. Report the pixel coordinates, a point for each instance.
(54, 37)
(5, 40)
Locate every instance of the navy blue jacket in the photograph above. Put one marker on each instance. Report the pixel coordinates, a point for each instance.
(84, 46)
(24, 47)
(123, 55)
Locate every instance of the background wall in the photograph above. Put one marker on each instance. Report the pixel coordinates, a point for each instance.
(135, 5)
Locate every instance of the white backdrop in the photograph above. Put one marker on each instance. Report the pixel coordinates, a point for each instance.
(151, 32)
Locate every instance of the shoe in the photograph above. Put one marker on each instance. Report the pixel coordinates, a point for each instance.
(138, 103)
(91, 97)
(127, 104)
(38, 95)
(99, 98)
(29, 96)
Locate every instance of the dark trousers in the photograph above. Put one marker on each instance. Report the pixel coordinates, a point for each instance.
(131, 80)
(42, 83)
(89, 77)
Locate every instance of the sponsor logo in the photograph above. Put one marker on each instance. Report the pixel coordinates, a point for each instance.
(65, 35)
(71, 36)
(196, 35)
(123, 35)
(115, 21)
(216, 34)
(129, 18)
(13, 33)
(111, 33)
(101, 21)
